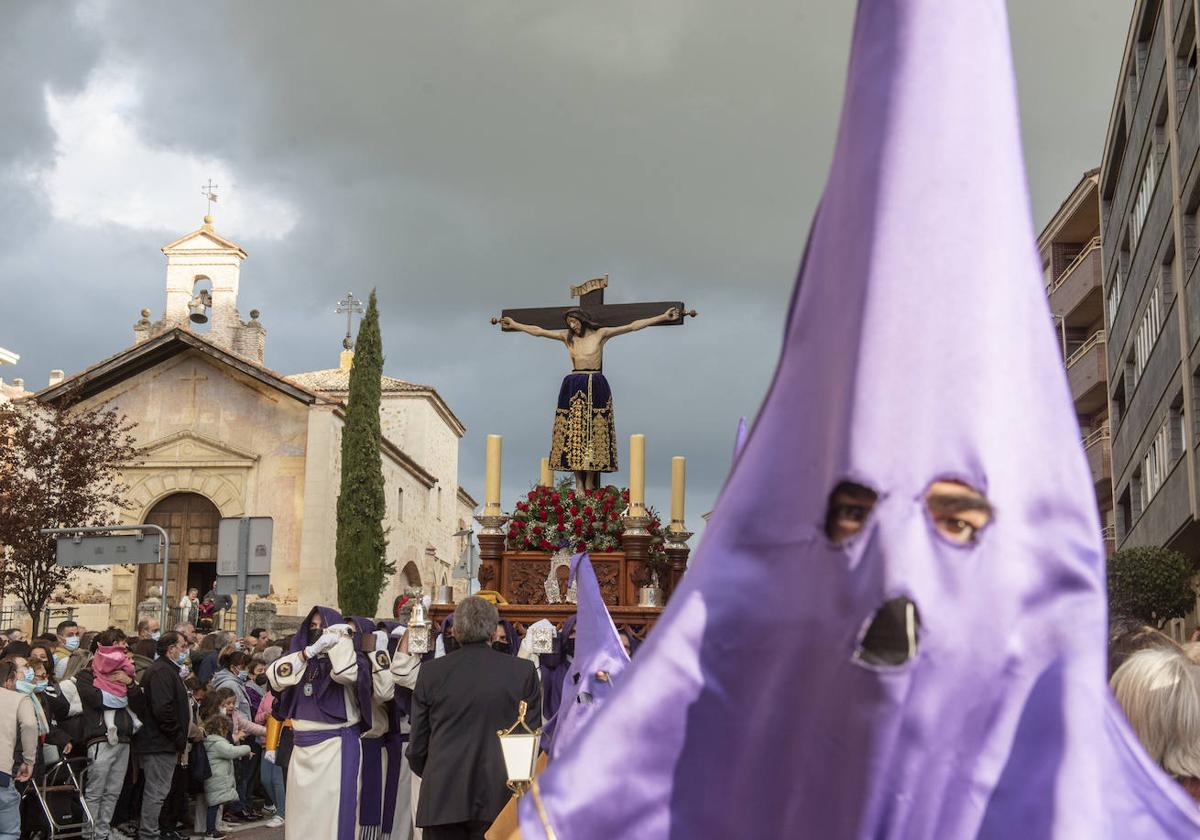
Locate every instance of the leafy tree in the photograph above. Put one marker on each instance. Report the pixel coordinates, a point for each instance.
(59, 467)
(1151, 584)
(361, 559)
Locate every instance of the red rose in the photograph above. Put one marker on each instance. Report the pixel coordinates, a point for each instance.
(588, 512)
(561, 527)
(580, 547)
(574, 510)
(613, 516)
(537, 529)
(542, 515)
(546, 545)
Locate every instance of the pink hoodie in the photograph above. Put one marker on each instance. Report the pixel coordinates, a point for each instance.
(108, 661)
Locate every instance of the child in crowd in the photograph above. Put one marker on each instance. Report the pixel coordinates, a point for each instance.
(109, 662)
(220, 787)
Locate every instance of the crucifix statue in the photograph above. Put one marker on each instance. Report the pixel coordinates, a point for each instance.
(351, 306)
(584, 439)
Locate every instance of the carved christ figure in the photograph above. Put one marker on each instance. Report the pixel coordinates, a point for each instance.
(584, 439)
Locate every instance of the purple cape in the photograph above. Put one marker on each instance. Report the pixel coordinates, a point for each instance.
(597, 648)
(553, 668)
(918, 347)
(364, 688)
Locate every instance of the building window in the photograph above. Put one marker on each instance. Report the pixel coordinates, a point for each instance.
(1141, 204)
(1176, 421)
(1114, 299)
(399, 504)
(1167, 278)
(1124, 515)
(1156, 463)
(1185, 58)
(1118, 402)
(1147, 333)
(439, 502)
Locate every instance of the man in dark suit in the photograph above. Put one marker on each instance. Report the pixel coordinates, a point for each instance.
(461, 700)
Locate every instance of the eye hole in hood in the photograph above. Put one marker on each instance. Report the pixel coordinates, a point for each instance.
(849, 509)
(892, 636)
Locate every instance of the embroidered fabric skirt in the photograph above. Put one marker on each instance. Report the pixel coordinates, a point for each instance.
(585, 436)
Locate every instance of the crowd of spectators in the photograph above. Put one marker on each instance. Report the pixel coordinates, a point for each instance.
(167, 732)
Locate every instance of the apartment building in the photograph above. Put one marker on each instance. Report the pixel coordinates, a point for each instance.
(1071, 265)
(1149, 198)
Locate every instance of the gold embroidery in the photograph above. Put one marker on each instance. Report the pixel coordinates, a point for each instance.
(584, 437)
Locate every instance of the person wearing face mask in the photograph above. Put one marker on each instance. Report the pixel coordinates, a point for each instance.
(108, 760)
(166, 723)
(234, 677)
(319, 691)
(68, 633)
(459, 703)
(18, 737)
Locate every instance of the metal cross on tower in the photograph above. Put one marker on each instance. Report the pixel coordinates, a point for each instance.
(351, 306)
(209, 191)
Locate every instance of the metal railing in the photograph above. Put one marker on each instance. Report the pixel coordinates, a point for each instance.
(1096, 338)
(1095, 437)
(1109, 532)
(1074, 264)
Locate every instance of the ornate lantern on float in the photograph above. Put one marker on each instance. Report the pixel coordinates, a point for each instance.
(519, 745)
(418, 628)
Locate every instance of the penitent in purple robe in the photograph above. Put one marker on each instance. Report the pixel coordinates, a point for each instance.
(918, 347)
(597, 648)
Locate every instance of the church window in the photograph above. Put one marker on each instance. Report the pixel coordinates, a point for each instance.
(399, 504)
(439, 502)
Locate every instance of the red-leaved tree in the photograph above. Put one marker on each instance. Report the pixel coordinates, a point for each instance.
(59, 467)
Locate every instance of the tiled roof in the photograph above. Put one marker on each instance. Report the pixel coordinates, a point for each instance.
(337, 380)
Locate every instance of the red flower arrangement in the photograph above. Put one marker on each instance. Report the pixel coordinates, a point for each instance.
(592, 524)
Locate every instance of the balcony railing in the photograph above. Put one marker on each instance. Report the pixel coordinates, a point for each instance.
(1109, 532)
(1081, 351)
(1095, 437)
(1074, 264)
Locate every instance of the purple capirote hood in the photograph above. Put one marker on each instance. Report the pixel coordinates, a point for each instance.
(918, 347)
(597, 648)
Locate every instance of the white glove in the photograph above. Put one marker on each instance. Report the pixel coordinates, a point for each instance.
(269, 755)
(327, 641)
(399, 631)
(381, 640)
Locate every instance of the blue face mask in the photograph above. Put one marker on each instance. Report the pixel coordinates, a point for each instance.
(39, 687)
(71, 643)
(27, 674)
(243, 676)
(182, 658)
(25, 686)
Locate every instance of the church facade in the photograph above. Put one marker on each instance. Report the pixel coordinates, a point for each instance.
(225, 436)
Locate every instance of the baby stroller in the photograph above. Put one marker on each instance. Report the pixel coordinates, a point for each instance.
(52, 806)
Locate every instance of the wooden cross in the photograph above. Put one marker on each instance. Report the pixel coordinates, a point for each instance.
(591, 299)
(351, 306)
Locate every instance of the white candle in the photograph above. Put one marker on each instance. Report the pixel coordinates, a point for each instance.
(492, 481)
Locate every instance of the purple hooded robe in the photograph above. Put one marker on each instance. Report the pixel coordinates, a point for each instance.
(918, 347)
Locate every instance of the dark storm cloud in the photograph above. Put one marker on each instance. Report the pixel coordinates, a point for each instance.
(466, 157)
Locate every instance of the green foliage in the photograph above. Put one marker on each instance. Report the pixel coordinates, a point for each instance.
(1150, 584)
(361, 559)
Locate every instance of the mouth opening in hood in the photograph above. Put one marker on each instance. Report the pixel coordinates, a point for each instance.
(891, 637)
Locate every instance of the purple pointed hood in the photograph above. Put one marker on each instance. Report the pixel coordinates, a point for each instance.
(918, 347)
(364, 688)
(597, 648)
(739, 440)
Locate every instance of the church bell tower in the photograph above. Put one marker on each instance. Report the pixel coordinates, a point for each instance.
(203, 273)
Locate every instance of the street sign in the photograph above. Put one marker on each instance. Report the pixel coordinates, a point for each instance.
(255, 585)
(229, 545)
(244, 560)
(107, 550)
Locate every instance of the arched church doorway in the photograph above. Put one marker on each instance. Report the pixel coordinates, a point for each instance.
(191, 523)
(412, 575)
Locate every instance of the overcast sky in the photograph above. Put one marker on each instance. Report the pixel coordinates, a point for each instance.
(464, 157)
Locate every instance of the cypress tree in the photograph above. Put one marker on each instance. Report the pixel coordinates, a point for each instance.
(361, 560)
